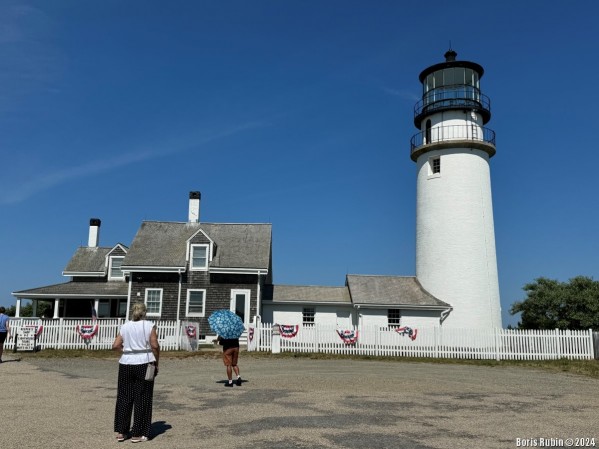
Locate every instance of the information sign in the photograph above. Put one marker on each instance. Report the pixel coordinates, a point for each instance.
(26, 340)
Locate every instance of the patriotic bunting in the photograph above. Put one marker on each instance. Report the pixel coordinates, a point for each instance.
(407, 331)
(87, 331)
(349, 337)
(190, 330)
(250, 334)
(288, 330)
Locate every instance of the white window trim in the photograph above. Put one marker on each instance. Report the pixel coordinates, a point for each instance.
(146, 301)
(198, 245)
(110, 276)
(195, 314)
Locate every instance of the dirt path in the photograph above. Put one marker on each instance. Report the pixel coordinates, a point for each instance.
(300, 403)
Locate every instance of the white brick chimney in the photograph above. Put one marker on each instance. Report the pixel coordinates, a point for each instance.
(194, 207)
(94, 232)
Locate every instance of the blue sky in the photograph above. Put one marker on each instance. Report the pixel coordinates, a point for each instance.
(294, 113)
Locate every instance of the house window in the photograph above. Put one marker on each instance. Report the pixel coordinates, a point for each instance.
(122, 308)
(114, 268)
(104, 308)
(308, 316)
(199, 257)
(154, 301)
(393, 317)
(196, 304)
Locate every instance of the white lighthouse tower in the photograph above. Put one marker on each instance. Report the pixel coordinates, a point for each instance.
(455, 236)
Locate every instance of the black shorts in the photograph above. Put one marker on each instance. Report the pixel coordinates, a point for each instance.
(3, 337)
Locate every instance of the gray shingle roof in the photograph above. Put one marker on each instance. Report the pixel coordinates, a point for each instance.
(77, 289)
(164, 244)
(240, 245)
(88, 260)
(359, 289)
(309, 293)
(390, 290)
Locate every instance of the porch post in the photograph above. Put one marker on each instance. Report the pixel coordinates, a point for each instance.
(129, 296)
(18, 308)
(258, 296)
(56, 306)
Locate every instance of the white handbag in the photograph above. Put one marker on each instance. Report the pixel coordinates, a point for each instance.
(151, 369)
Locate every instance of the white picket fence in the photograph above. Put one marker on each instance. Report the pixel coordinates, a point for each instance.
(62, 333)
(437, 342)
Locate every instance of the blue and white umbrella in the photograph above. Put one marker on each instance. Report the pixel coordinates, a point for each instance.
(226, 324)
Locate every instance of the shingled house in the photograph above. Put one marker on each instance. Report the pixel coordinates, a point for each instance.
(181, 270)
(96, 281)
(186, 270)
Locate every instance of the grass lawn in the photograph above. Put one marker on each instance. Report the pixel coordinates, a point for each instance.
(589, 368)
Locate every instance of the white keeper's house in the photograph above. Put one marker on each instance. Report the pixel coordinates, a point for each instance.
(186, 270)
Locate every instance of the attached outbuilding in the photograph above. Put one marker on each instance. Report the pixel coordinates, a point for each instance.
(384, 301)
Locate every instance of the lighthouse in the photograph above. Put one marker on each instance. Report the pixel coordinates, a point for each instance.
(455, 237)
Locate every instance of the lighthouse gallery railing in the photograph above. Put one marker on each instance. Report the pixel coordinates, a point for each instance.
(452, 133)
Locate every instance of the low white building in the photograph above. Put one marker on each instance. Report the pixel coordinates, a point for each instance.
(364, 300)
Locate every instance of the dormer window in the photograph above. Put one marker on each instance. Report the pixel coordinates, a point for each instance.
(114, 268)
(199, 257)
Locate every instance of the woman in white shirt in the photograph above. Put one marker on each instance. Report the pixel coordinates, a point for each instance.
(138, 343)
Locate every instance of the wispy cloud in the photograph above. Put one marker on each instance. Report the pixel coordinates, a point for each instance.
(17, 193)
(403, 94)
(29, 62)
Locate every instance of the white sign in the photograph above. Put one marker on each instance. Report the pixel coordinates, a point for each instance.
(26, 341)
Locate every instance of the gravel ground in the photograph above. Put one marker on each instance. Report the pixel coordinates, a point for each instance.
(299, 403)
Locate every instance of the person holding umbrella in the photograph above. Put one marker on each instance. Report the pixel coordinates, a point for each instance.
(228, 327)
(230, 357)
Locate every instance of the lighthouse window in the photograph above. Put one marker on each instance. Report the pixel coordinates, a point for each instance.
(428, 84)
(449, 77)
(438, 77)
(469, 77)
(435, 165)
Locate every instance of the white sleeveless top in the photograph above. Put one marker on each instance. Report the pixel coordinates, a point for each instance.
(136, 342)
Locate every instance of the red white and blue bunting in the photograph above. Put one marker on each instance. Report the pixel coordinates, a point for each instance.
(288, 330)
(87, 331)
(191, 331)
(349, 337)
(251, 334)
(405, 330)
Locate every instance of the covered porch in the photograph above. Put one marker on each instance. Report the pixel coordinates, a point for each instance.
(76, 300)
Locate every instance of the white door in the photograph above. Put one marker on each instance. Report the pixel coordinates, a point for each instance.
(240, 304)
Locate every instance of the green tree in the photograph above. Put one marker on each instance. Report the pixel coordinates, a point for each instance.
(551, 304)
(26, 310)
